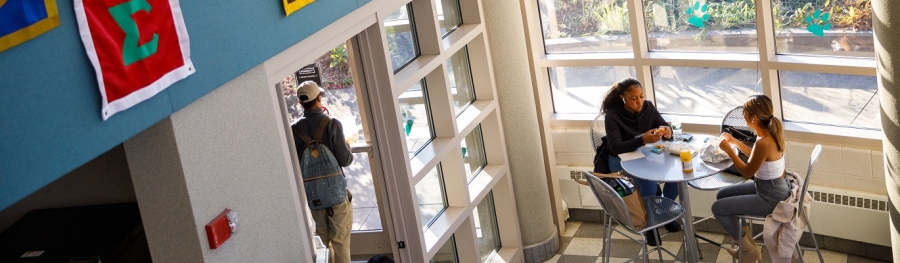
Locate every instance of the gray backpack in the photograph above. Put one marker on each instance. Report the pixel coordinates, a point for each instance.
(322, 175)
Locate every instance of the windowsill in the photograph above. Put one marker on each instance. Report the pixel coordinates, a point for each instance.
(794, 131)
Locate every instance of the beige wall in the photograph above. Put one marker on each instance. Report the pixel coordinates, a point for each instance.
(103, 180)
(225, 150)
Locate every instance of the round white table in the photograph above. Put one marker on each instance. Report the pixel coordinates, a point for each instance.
(666, 167)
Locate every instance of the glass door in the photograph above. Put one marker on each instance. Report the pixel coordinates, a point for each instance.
(345, 99)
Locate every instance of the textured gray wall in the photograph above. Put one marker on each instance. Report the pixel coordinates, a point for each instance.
(506, 35)
(103, 180)
(886, 20)
(222, 151)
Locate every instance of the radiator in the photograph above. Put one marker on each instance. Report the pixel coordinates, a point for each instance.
(835, 212)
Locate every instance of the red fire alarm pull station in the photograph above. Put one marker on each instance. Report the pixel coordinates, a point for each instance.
(221, 228)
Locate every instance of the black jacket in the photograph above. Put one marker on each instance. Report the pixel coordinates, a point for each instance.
(624, 128)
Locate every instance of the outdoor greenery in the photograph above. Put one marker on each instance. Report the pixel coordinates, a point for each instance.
(579, 18)
(335, 68)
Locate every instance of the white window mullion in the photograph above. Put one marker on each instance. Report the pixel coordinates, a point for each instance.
(641, 47)
(765, 28)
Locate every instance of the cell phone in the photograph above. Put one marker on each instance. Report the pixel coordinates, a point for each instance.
(688, 137)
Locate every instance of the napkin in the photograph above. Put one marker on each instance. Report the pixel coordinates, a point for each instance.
(631, 155)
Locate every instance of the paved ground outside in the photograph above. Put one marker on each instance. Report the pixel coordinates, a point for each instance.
(846, 100)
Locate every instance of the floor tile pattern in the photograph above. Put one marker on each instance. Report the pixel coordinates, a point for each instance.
(583, 242)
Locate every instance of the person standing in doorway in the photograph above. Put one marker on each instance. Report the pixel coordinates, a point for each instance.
(334, 223)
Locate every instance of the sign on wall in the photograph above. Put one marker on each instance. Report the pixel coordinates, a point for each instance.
(138, 48)
(310, 72)
(291, 6)
(21, 20)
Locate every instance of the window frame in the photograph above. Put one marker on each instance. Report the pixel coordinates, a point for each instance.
(766, 61)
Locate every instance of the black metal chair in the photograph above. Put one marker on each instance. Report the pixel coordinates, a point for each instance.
(817, 150)
(733, 121)
(660, 211)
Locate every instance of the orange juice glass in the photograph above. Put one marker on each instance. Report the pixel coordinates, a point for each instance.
(686, 165)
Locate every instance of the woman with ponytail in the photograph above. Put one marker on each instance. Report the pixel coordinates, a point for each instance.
(765, 167)
(632, 122)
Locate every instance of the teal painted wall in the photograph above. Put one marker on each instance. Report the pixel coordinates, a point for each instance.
(50, 120)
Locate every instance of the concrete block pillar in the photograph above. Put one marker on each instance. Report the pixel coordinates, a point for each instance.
(886, 21)
(518, 109)
(226, 150)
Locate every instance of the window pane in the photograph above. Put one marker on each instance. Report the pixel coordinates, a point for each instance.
(824, 27)
(415, 114)
(698, 25)
(473, 153)
(574, 26)
(447, 252)
(430, 193)
(581, 89)
(837, 99)
(460, 74)
(703, 91)
(486, 227)
(400, 32)
(448, 15)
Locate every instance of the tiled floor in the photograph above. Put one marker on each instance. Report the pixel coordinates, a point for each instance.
(583, 243)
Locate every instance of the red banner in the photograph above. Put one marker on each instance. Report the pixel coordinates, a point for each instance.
(137, 47)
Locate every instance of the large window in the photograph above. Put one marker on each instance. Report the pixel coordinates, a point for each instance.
(449, 16)
(704, 57)
(401, 36)
(703, 91)
(460, 74)
(824, 27)
(698, 25)
(844, 100)
(486, 228)
(415, 117)
(473, 153)
(581, 89)
(447, 252)
(573, 26)
(431, 196)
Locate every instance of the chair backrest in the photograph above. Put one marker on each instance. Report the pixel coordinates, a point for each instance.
(598, 130)
(735, 118)
(809, 170)
(612, 203)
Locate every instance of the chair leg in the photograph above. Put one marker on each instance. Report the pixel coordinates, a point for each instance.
(644, 249)
(697, 242)
(813, 235)
(739, 243)
(659, 249)
(608, 237)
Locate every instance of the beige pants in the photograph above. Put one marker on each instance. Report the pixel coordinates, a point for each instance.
(335, 230)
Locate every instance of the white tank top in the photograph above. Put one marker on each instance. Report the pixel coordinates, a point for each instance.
(771, 169)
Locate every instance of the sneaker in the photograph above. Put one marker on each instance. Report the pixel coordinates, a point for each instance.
(652, 239)
(673, 227)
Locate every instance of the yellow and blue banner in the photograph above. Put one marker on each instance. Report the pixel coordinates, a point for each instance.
(21, 20)
(291, 6)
